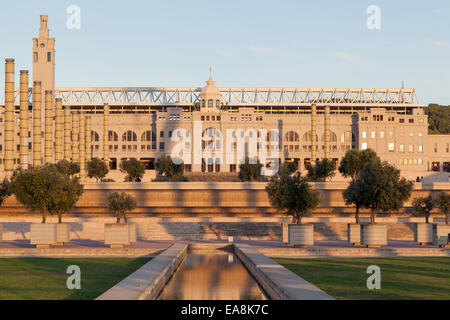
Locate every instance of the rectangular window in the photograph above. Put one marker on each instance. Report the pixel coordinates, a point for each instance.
(161, 146)
(188, 168)
(411, 120)
(374, 134)
(232, 168)
(382, 135)
(411, 148)
(420, 148)
(161, 134)
(49, 56)
(35, 57)
(402, 120)
(364, 146)
(391, 147)
(364, 135)
(402, 148)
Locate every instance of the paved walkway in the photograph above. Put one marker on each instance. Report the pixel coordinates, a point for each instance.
(90, 244)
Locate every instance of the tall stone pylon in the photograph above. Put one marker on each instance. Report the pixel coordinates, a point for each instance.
(37, 124)
(24, 106)
(67, 134)
(58, 130)
(82, 146)
(313, 133)
(88, 139)
(48, 148)
(75, 137)
(9, 115)
(327, 132)
(106, 133)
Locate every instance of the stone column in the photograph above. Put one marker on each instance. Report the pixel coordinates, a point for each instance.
(9, 115)
(48, 151)
(82, 146)
(58, 130)
(88, 140)
(37, 126)
(75, 137)
(313, 134)
(67, 133)
(105, 133)
(327, 132)
(24, 105)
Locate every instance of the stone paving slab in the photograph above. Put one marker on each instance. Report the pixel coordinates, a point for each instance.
(148, 281)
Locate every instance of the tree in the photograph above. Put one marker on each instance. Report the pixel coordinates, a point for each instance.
(46, 190)
(383, 188)
(287, 168)
(135, 169)
(120, 204)
(354, 194)
(438, 119)
(97, 169)
(64, 196)
(322, 170)
(354, 160)
(292, 195)
(442, 201)
(67, 168)
(250, 170)
(423, 205)
(5, 190)
(169, 168)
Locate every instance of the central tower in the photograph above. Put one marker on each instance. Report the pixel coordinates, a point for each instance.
(44, 57)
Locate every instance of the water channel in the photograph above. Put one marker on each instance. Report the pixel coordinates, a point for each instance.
(212, 274)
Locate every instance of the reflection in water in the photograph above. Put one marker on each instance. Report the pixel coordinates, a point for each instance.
(212, 276)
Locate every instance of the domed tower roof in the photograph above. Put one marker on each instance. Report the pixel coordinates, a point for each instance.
(210, 91)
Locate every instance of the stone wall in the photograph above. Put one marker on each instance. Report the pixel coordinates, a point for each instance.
(187, 228)
(208, 198)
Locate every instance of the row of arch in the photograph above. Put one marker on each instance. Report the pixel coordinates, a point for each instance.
(293, 137)
(128, 136)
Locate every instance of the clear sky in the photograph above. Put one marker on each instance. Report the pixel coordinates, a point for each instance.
(261, 43)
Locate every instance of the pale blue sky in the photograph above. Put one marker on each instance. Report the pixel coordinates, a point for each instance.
(264, 43)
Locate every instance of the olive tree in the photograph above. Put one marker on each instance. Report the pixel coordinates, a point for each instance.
(67, 168)
(120, 203)
(46, 190)
(5, 190)
(323, 169)
(442, 201)
(354, 160)
(354, 194)
(134, 168)
(423, 205)
(250, 170)
(97, 169)
(167, 166)
(292, 195)
(383, 188)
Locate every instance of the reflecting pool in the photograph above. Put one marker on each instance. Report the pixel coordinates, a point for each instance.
(212, 275)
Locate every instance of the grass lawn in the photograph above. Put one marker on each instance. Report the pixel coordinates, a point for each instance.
(45, 279)
(401, 278)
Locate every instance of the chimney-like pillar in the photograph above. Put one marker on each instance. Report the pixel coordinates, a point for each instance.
(75, 137)
(48, 127)
(67, 133)
(327, 132)
(106, 133)
(9, 115)
(37, 125)
(24, 106)
(88, 139)
(82, 146)
(313, 133)
(58, 130)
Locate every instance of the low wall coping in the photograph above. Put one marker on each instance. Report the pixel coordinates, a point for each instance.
(277, 281)
(148, 281)
(232, 186)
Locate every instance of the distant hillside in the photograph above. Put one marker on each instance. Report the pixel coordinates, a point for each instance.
(438, 118)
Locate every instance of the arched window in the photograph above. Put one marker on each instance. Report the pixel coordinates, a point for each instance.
(95, 137)
(112, 136)
(211, 139)
(129, 136)
(291, 142)
(307, 137)
(333, 137)
(148, 136)
(292, 136)
(347, 141)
